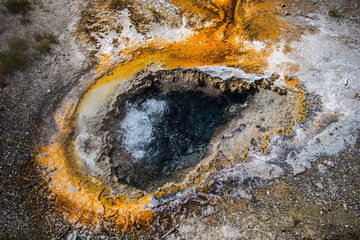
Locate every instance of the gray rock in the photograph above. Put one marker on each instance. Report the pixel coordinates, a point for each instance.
(72, 236)
(329, 163)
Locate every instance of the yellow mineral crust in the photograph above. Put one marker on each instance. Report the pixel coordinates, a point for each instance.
(104, 63)
(222, 43)
(83, 199)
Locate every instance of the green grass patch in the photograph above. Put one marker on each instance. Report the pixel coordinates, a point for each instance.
(14, 58)
(17, 6)
(10, 61)
(296, 219)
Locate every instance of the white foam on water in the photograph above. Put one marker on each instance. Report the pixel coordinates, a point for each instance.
(137, 126)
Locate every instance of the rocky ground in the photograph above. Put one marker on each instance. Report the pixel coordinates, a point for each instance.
(320, 200)
(27, 102)
(322, 203)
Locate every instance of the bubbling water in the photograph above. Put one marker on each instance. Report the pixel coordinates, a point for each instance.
(138, 126)
(171, 130)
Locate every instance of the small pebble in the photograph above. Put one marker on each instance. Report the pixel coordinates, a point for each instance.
(322, 168)
(329, 163)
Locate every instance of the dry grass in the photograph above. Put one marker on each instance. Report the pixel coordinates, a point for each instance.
(45, 37)
(10, 61)
(17, 44)
(335, 13)
(17, 6)
(14, 58)
(43, 47)
(2, 81)
(24, 20)
(44, 41)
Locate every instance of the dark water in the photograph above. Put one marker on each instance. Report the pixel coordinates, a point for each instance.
(171, 130)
